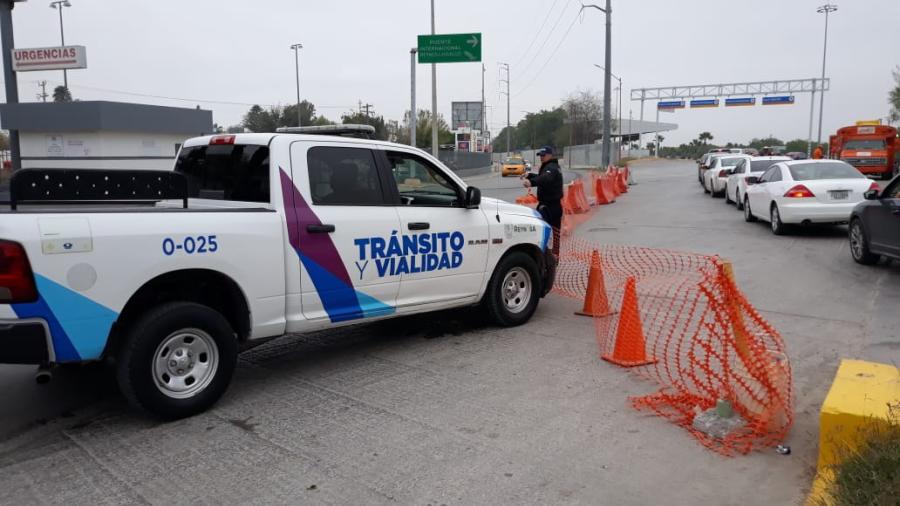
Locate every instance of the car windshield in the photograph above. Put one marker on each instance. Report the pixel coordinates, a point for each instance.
(858, 144)
(813, 170)
(514, 161)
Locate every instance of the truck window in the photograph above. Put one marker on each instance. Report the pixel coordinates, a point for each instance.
(344, 177)
(420, 183)
(235, 172)
(858, 144)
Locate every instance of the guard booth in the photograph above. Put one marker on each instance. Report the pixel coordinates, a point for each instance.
(102, 135)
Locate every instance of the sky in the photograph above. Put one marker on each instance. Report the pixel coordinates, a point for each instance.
(225, 55)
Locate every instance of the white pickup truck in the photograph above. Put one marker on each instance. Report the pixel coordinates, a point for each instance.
(251, 236)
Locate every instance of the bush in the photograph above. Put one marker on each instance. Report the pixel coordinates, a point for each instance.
(870, 474)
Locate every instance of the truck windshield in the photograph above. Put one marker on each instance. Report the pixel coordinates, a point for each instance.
(857, 144)
(817, 170)
(236, 172)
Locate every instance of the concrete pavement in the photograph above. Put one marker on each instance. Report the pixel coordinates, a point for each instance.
(441, 409)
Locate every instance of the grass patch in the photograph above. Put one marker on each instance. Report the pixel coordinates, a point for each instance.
(870, 473)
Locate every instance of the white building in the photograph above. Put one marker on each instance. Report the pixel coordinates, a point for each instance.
(102, 135)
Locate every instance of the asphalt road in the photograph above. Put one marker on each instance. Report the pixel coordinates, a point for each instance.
(440, 409)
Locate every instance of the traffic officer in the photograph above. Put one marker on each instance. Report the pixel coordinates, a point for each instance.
(549, 184)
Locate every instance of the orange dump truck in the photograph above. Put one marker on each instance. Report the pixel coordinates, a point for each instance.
(872, 148)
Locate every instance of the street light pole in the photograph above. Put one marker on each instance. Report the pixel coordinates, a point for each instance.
(297, 47)
(619, 79)
(58, 5)
(826, 9)
(434, 114)
(606, 79)
(412, 97)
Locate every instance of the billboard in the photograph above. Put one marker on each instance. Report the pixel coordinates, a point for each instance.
(465, 115)
(49, 58)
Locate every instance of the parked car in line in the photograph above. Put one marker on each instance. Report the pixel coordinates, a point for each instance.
(805, 192)
(704, 164)
(875, 225)
(714, 179)
(736, 185)
(796, 155)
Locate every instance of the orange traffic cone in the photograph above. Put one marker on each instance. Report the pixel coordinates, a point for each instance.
(629, 349)
(595, 301)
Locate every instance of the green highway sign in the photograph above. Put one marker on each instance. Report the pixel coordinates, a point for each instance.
(450, 48)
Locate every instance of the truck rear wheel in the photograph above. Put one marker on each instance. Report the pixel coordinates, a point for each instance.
(178, 360)
(514, 290)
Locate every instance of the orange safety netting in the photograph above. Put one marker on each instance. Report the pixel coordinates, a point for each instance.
(680, 320)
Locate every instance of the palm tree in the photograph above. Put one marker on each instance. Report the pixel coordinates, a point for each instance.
(705, 136)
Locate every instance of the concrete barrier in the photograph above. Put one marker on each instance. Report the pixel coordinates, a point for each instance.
(859, 398)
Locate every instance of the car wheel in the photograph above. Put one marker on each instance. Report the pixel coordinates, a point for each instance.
(513, 292)
(859, 244)
(778, 227)
(737, 200)
(727, 198)
(748, 216)
(178, 360)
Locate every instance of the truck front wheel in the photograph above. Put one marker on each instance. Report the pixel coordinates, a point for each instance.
(178, 360)
(513, 292)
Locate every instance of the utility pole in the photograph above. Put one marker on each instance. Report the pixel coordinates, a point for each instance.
(297, 47)
(58, 5)
(434, 114)
(607, 119)
(412, 97)
(482, 129)
(620, 100)
(812, 110)
(43, 94)
(505, 66)
(9, 77)
(826, 9)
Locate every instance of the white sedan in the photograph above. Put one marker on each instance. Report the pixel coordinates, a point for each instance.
(719, 169)
(736, 185)
(805, 191)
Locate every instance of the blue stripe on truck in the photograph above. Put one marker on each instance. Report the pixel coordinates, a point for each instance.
(78, 325)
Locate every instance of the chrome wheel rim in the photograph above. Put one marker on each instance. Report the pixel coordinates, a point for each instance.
(856, 241)
(516, 290)
(185, 363)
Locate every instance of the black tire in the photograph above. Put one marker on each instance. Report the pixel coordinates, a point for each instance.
(748, 216)
(859, 244)
(727, 198)
(778, 227)
(737, 200)
(495, 300)
(136, 370)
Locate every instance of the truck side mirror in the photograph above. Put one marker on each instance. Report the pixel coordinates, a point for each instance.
(473, 197)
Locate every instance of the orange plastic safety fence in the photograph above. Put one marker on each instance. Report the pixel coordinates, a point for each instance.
(680, 320)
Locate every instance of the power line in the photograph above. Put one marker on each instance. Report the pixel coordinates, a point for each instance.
(552, 54)
(536, 35)
(547, 38)
(220, 102)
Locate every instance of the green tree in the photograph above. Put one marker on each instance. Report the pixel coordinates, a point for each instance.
(704, 137)
(798, 145)
(894, 97)
(423, 130)
(538, 129)
(768, 141)
(62, 94)
(258, 119)
(361, 118)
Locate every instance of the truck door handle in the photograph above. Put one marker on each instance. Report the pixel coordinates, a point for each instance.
(320, 229)
(419, 225)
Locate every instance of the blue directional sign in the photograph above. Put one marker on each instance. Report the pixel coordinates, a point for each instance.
(778, 100)
(743, 101)
(712, 102)
(670, 104)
